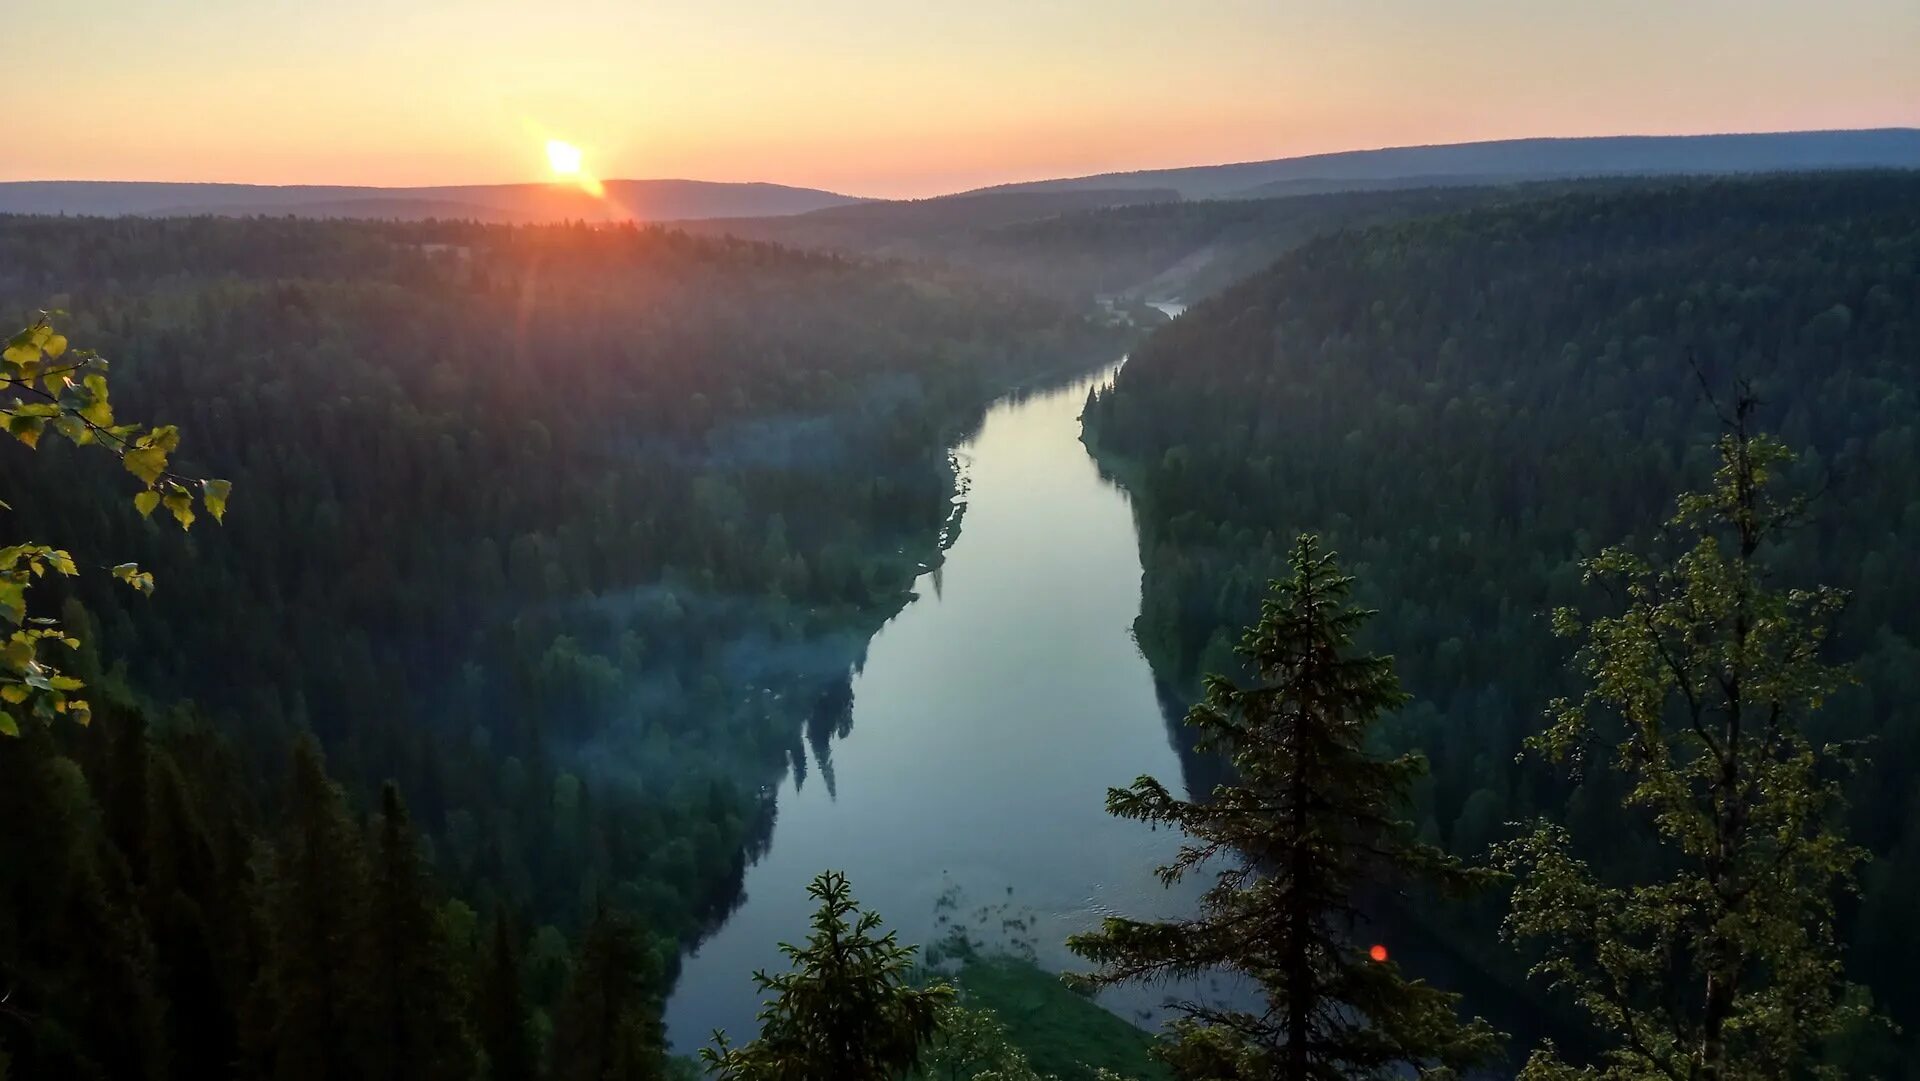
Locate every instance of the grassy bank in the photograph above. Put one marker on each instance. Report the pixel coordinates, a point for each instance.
(1064, 1033)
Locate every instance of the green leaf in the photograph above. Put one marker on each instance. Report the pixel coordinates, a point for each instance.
(73, 428)
(97, 411)
(166, 437)
(55, 344)
(145, 501)
(147, 463)
(180, 502)
(214, 494)
(9, 726)
(17, 652)
(27, 429)
(131, 574)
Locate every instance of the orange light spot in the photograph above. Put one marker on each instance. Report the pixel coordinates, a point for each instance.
(1378, 953)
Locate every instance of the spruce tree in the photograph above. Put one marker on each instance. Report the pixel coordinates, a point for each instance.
(77, 963)
(607, 1027)
(847, 1011)
(316, 915)
(1309, 820)
(1723, 964)
(502, 1011)
(416, 1027)
(190, 897)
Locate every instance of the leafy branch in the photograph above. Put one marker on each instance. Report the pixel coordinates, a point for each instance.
(46, 386)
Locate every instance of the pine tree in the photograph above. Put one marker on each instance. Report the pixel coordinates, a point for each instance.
(416, 1027)
(846, 1012)
(1309, 821)
(79, 999)
(502, 1011)
(1724, 965)
(316, 915)
(607, 1027)
(190, 897)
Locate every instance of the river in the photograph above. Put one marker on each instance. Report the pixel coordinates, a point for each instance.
(990, 718)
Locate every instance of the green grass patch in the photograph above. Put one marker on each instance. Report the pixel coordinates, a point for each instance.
(1063, 1032)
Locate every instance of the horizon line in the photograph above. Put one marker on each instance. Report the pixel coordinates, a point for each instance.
(1041, 178)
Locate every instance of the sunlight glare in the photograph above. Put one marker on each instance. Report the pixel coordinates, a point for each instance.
(569, 165)
(564, 157)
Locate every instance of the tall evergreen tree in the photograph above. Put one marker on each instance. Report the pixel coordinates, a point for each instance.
(317, 911)
(194, 906)
(1309, 821)
(847, 1011)
(607, 1027)
(416, 1023)
(78, 998)
(502, 1011)
(1724, 964)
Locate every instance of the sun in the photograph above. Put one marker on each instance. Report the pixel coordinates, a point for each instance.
(564, 157)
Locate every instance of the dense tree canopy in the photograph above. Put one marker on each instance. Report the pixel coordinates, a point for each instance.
(573, 532)
(574, 535)
(1467, 405)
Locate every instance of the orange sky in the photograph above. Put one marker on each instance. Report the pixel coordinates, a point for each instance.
(905, 98)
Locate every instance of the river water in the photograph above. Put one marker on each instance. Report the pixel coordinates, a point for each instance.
(990, 718)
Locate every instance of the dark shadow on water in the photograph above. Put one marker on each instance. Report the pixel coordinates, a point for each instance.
(1200, 771)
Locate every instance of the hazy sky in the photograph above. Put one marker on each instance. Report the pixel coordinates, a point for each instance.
(902, 97)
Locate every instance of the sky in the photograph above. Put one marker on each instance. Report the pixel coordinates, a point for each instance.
(903, 97)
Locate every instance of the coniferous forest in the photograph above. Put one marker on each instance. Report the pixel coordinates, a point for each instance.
(1467, 407)
(1534, 560)
(572, 534)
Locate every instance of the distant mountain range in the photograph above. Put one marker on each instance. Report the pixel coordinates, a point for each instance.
(1516, 159)
(643, 200)
(1451, 165)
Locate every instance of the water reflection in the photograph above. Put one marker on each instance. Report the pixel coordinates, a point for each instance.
(992, 715)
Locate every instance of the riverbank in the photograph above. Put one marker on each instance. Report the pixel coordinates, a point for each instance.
(1064, 1034)
(981, 731)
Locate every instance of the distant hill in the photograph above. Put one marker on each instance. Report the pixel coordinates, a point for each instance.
(642, 200)
(922, 227)
(1517, 159)
(1146, 243)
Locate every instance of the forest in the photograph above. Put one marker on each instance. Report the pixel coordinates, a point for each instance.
(1144, 243)
(1467, 406)
(488, 577)
(573, 534)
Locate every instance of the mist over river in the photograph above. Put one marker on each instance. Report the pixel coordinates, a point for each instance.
(988, 722)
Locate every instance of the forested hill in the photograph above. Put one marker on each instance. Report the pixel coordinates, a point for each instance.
(575, 533)
(1508, 160)
(620, 200)
(1466, 405)
(1140, 243)
(1159, 249)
